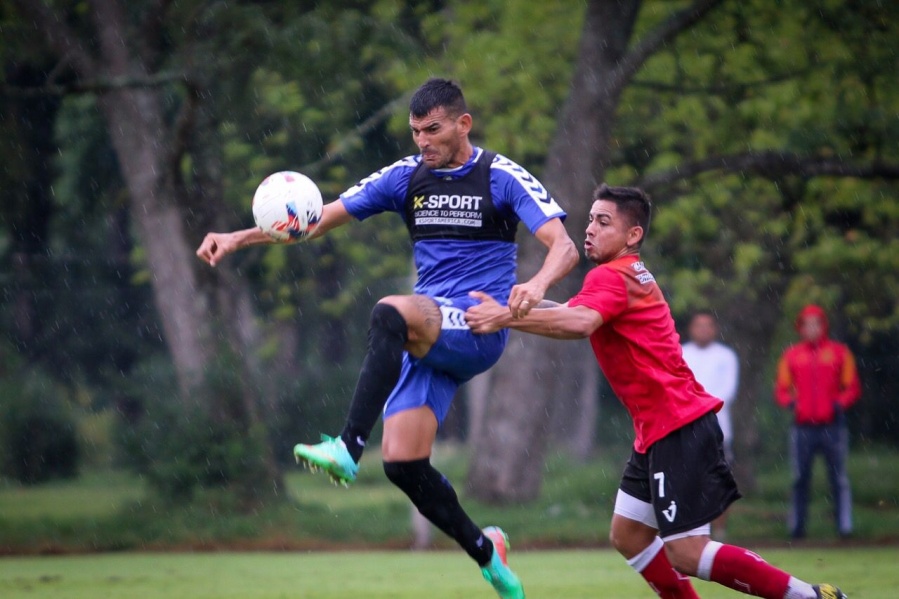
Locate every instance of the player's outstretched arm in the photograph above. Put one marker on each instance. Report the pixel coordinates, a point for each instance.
(216, 246)
(558, 322)
(333, 215)
(561, 257)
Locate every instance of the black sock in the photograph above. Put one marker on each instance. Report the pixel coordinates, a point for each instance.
(437, 501)
(387, 334)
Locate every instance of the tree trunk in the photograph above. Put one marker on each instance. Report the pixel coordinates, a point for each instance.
(575, 416)
(29, 125)
(753, 320)
(537, 375)
(149, 149)
(227, 295)
(477, 395)
(136, 129)
(751, 339)
(556, 374)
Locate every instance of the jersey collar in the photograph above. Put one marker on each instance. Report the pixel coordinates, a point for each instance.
(460, 171)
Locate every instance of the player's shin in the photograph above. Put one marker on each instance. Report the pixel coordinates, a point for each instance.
(437, 501)
(653, 565)
(380, 372)
(742, 570)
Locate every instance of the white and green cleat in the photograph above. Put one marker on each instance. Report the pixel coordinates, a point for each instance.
(330, 456)
(497, 572)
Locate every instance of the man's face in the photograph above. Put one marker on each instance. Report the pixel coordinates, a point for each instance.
(441, 138)
(610, 234)
(811, 328)
(703, 330)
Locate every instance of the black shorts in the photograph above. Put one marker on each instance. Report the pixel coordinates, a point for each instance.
(685, 476)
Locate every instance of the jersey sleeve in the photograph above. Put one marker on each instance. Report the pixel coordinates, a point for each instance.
(383, 191)
(605, 291)
(783, 383)
(850, 386)
(516, 190)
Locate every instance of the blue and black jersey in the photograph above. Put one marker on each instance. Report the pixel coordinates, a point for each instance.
(462, 220)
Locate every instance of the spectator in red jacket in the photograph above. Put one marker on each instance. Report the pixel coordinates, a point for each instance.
(817, 380)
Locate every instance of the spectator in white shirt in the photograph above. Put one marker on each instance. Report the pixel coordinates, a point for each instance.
(716, 367)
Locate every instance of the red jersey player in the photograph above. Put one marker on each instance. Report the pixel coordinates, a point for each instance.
(677, 480)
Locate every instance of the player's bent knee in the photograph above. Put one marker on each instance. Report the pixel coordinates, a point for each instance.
(615, 541)
(627, 545)
(681, 561)
(633, 525)
(685, 552)
(628, 537)
(397, 301)
(407, 305)
(420, 313)
(387, 318)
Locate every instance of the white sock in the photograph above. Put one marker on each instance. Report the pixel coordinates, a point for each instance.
(799, 590)
(642, 559)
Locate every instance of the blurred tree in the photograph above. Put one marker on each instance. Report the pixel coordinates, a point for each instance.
(791, 209)
(516, 438)
(795, 85)
(763, 131)
(25, 182)
(37, 429)
(200, 101)
(117, 53)
(318, 101)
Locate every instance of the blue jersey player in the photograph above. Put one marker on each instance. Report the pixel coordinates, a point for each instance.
(462, 205)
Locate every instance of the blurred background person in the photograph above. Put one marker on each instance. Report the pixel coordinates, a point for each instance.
(817, 380)
(716, 367)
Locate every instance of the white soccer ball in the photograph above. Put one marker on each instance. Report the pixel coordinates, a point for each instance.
(287, 206)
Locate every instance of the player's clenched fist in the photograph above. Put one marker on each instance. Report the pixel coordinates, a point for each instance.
(487, 317)
(215, 246)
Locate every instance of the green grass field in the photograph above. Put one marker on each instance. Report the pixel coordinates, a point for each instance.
(868, 573)
(109, 510)
(112, 511)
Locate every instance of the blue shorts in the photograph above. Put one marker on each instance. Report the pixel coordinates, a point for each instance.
(456, 357)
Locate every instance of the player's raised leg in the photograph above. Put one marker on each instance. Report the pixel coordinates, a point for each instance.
(408, 438)
(398, 323)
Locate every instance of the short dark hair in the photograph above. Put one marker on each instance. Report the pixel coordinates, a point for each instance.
(704, 312)
(437, 93)
(632, 201)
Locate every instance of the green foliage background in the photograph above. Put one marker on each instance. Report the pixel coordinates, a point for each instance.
(321, 88)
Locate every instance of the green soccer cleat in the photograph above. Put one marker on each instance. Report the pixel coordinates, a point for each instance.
(828, 591)
(330, 455)
(497, 572)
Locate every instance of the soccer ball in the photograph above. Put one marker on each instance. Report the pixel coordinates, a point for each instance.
(287, 206)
